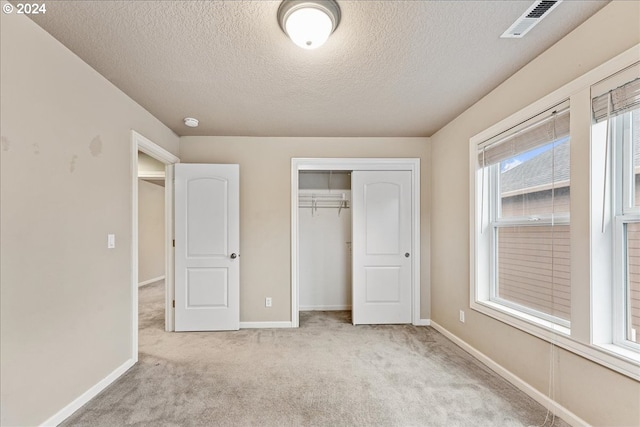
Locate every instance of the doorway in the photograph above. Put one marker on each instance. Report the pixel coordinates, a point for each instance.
(151, 224)
(300, 167)
(141, 144)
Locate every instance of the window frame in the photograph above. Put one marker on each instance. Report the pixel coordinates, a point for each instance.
(592, 305)
(625, 212)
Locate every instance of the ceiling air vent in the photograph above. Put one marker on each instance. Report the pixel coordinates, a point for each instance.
(530, 18)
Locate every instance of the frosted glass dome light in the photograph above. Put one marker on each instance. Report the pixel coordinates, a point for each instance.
(309, 23)
(309, 28)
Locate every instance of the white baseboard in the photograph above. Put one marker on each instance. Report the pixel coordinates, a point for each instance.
(325, 307)
(423, 322)
(539, 397)
(150, 281)
(72, 407)
(264, 325)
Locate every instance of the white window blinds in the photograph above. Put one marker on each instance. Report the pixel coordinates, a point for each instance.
(542, 129)
(624, 98)
(625, 95)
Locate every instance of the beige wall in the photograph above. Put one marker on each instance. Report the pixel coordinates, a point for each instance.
(596, 394)
(65, 300)
(65, 184)
(265, 206)
(151, 254)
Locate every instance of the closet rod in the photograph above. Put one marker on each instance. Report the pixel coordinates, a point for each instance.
(325, 207)
(334, 196)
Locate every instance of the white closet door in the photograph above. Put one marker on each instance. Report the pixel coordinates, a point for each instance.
(381, 209)
(207, 267)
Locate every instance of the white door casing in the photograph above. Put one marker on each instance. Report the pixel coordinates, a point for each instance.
(141, 144)
(207, 263)
(382, 242)
(358, 164)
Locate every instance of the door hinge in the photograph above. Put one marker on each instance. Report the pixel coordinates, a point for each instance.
(174, 243)
(174, 303)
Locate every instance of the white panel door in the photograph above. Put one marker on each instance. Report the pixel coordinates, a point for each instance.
(207, 264)
(381, 211)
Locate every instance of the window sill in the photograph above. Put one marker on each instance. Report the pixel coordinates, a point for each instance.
(619, 359)
(621, 352)
(520, 320)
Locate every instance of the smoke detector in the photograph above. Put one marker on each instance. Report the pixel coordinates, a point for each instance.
(191, 122)
(538, 10)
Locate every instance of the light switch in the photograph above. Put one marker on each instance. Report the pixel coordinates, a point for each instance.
(111, 241)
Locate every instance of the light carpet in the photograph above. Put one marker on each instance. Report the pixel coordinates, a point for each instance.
(325, 373)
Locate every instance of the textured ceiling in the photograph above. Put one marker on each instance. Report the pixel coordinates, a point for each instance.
(392, 68)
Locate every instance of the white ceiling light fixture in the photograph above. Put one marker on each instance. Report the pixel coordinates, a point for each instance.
(309, 23)
(191, 122)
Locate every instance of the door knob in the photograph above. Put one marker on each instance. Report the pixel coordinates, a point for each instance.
(406, 255)
(234, 256)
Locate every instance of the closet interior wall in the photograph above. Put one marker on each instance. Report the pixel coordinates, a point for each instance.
(325, 240)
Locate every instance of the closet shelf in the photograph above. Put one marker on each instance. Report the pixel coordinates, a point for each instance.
(321, 201)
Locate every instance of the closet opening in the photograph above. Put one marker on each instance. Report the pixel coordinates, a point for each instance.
(324, 213)
(355, 240)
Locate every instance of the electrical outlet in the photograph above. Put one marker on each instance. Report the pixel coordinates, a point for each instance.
(267, 302)
(462, 316)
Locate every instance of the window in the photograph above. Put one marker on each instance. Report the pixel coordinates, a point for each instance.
(627, 137)
(616, 115)
(525, 175)
(555, 217)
